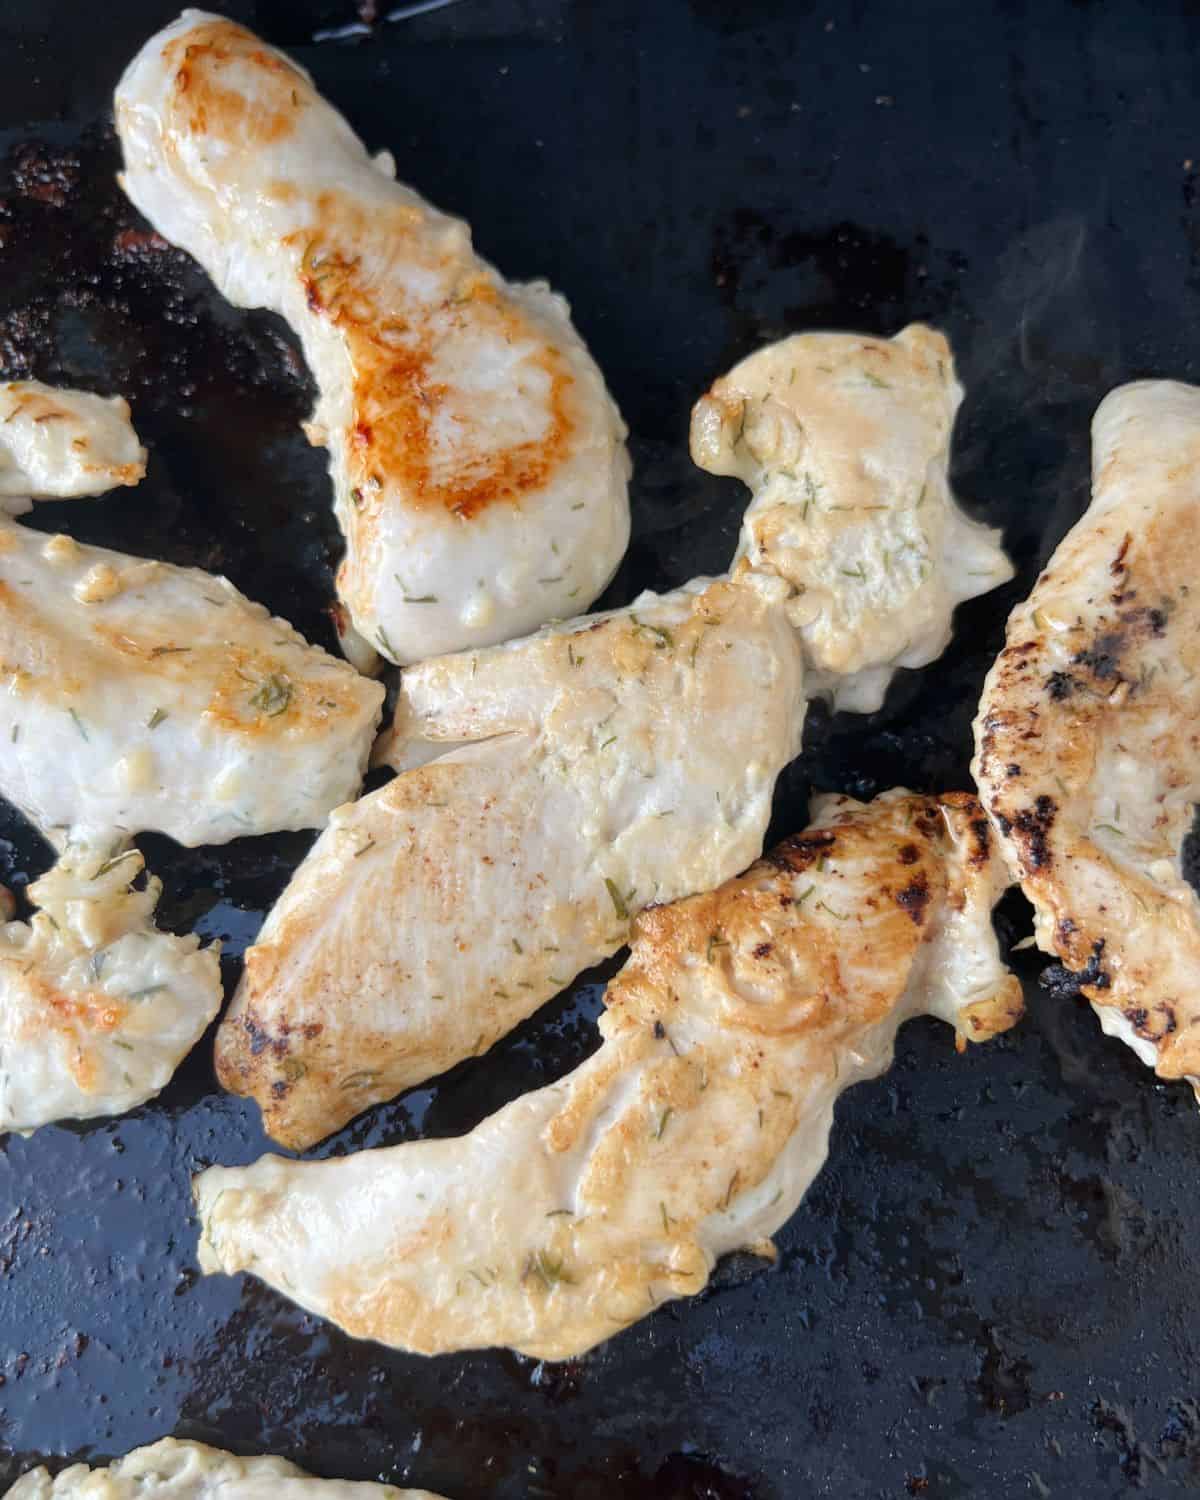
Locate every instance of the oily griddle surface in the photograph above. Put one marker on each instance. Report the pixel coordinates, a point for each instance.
(990, 1289)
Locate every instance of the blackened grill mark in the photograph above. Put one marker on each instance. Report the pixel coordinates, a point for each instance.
(908, 854)
(1104, 657)
(762, 950)
(983, 842)
(1059, 685)
(801, 851)
(1118, 564)
(1068, 984)
(660, 1030)
(914, 898)
(1034, 825)
(1012, 769)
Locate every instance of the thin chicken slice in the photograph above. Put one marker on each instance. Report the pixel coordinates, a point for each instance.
(695, 1129)
(141, 696)
(1088, 734)
(478, 463)
(60, 444)
(97, 1007)
(623, 759)
(176, 1470)
(844, 441)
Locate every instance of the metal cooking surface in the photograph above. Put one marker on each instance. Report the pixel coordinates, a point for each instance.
(990, 1290)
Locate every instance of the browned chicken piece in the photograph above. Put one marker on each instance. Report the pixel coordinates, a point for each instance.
(1088, 735)
(694, 1130)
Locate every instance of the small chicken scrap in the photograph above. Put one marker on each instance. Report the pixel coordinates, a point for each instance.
(174, 1470)
(695, 1130)
(478, 463)
(139, 696)
(97, 1007)
(1088, 733)
(844, 442)
(60, 444)
(584, 772)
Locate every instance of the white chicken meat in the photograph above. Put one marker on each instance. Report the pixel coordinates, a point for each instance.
(60, 444)
(845, 443)
(478, 463)
(619, 760)
(172, 1469)
(1087, 743)
(139, 696)
(613, 762)
(695, 1130)
(97, 1007)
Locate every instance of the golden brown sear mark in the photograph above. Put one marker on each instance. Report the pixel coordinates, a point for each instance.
(396, 398)
(198, 61)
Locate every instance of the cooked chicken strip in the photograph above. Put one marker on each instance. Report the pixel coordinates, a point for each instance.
(478, 463)
(845, 442)
(175, 1470)
(694, 1131)
(141, 696)
(1088, 735)
(625, 759)
(510, 867)
(57, 444)
(97, 1007)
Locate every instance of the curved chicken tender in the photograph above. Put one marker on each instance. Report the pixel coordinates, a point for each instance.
(478, 462)
(1088, 734)
(97, 1007)
(845, 442)
(175, 1470)
(59, 444)
(694, 1131)
(626, 758)
(141, 696)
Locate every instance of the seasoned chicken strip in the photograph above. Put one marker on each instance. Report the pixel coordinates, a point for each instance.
(625, 759)
(451, 904)
(478, 463)
(1088, 734)
(58, 444)
(845, 442)
(175, 1470)
(140, 696)
(97, 1007)
(694, 1131)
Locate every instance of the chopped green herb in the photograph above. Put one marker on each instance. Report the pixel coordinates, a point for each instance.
(517, 947)
(156, 718)
(841, 916)
(800, 900)
(556, 1213)
(874, 380)
(666, 1218)
(273, 696)
(151, 989)
(362, 1080)
(856, 571)
(168, 650)
(662, 1122)
(611, 740)
(370, 844)
(78, 723)
(617, 900)
(550, 1269)
(112, 862)
(715, 941)
(124, 1046)
(731, 1189)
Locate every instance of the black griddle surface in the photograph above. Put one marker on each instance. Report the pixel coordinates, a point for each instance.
(990, 1290)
